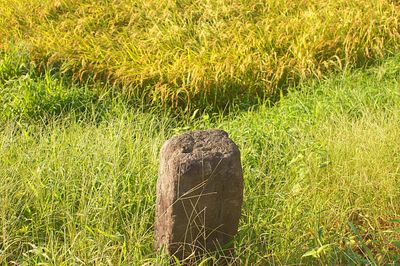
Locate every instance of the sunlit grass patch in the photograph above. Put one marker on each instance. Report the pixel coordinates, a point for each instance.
(178, 51)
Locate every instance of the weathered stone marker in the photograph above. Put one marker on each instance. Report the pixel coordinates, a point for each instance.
(199, 193)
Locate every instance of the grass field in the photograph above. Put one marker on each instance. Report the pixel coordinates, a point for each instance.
(188, 51)
(78, 170)
(309, 90)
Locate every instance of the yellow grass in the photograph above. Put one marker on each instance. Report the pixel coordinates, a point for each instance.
(170, 49)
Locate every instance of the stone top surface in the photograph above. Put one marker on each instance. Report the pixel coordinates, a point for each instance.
(201, 144)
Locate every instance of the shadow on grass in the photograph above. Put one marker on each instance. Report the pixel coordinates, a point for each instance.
(41, 92)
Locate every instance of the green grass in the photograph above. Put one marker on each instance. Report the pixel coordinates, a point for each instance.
(78, 171)
(189, 50)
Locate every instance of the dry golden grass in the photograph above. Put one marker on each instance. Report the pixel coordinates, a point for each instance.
(176, 49)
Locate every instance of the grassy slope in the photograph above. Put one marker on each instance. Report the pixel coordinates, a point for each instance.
(173, 50)
(78, 172)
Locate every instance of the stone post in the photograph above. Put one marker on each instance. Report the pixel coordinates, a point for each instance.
(199, 193)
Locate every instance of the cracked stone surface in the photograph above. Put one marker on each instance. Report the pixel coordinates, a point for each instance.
(199, 193)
